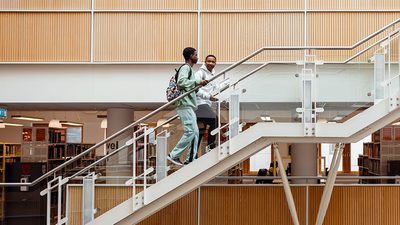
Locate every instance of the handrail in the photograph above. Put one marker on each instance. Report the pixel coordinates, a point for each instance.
(307, 177)
(123, 130)
(119, 149)
(390, 80)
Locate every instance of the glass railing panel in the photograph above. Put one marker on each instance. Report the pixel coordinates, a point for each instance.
(393, 66)
(271, 94)
(343, 91)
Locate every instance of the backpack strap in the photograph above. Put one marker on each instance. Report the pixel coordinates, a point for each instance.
(177, 72)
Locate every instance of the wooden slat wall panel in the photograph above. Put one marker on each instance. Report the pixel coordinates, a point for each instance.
(346, 29)
(256, 205)
(144, 37)
(146, 4)
(107, 198)
(181, 212)
(358, 205)
(353, 4)
(45, 4)
(45, 37)
(394, 50)
(249, 205)
(252, 4)
(390, 207)
(75, 205)
(232, 36)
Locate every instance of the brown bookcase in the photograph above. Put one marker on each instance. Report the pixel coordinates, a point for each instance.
(384, 147)
(50, 145)
(9, 153)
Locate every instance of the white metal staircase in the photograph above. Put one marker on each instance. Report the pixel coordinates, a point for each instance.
(241, 147)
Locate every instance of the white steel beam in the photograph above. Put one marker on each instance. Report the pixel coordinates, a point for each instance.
(288, 192)
(326, 196)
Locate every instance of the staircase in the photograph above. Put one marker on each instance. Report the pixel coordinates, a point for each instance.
(241, 147)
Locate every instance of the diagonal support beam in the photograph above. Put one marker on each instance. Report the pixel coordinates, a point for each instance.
(286, 187)
(326, 195)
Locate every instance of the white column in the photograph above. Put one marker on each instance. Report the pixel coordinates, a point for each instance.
(121, 163)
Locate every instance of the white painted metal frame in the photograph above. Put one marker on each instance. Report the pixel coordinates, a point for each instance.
(199, 7)
(286, 187)
(161, 152)
(88, 197)
(92, 32)
(56, 182)
(326, 195)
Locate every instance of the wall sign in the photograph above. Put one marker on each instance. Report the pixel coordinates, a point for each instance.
(3, 113)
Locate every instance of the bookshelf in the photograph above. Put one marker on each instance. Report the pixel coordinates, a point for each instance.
(384, 147)
(73, 149)
(9, 153)
(52, 146)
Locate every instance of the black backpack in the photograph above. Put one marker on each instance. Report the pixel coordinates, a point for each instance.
(263, 173)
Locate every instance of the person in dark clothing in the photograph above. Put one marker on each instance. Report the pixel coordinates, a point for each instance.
(205, 114)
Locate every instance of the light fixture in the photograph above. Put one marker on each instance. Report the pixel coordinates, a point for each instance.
(55, 124)
(396, 123)
(71, 123)
(163, 123)
(266, 118)
(2, 125)
(337, 118)
(13, 124)
(103, 124)
(29, 118)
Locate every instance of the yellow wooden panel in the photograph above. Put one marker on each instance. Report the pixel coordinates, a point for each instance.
(249, 205)
(107, 198)
(358, 205)
(146, 4)
(353, 4)
(45, 37)
(144, 36)
(232, 36)
(181, 212)
(257, 204)
(75, 205)
(346, 29)
(252, 4)
(45, 4)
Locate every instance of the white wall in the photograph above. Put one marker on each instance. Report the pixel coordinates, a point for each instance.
(147, 83)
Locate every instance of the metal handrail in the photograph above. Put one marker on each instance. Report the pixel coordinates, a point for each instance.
(123, 130)
(307, 177)
(117, 150)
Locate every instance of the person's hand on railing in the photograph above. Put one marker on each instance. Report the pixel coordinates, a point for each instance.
(214, 99)
(203, 82)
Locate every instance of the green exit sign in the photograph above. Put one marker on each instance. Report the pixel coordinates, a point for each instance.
(3, 113)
